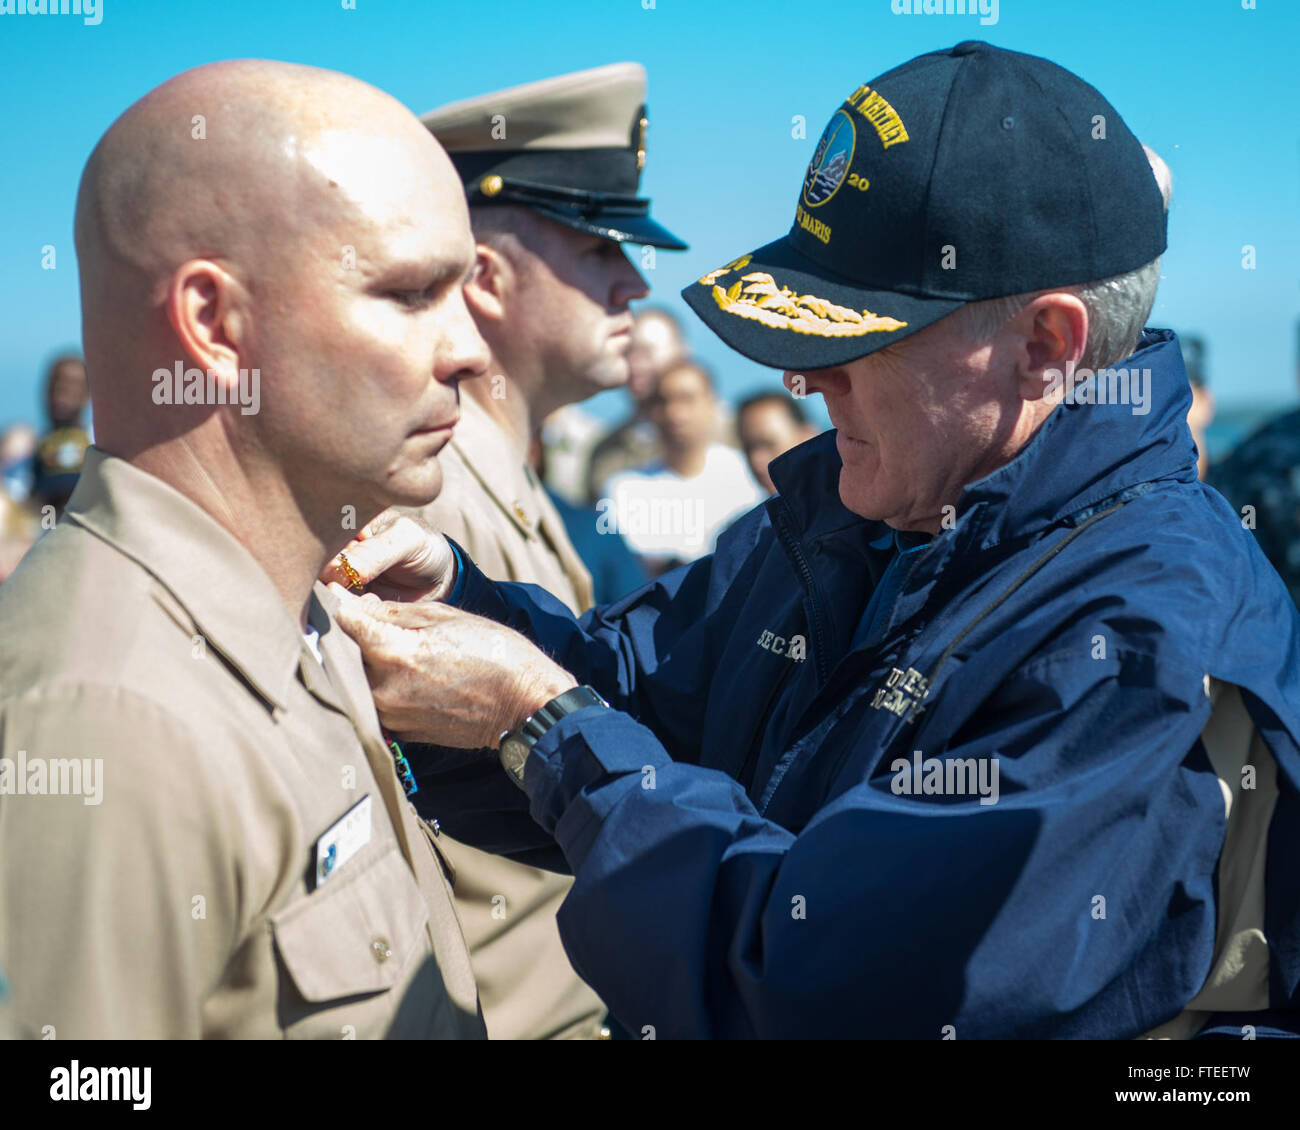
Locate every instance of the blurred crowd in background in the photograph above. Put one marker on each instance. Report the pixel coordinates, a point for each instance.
(39, 466)
(658, 487)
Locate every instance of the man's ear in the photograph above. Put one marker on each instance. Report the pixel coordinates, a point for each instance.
(207, 308)
(1052, 334)
(488, 290)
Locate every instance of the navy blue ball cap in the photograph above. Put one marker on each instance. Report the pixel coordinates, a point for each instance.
(961, 175)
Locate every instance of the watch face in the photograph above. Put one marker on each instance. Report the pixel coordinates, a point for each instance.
(516, 745)
(514, 752)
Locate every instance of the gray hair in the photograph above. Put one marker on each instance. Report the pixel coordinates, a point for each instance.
(1118, 307)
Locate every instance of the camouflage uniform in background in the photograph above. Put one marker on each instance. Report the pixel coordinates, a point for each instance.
(1263, 471)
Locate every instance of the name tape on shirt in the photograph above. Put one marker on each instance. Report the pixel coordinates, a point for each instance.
(343, 840)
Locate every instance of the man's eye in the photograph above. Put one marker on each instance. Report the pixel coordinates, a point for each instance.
(413, 299)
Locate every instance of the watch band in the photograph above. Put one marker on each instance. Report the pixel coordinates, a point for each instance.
(517, 744)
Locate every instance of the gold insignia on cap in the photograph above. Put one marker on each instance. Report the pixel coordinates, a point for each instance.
(734, 265)
(640, 145)
(780, 308)
(490, 186)
(882, 116)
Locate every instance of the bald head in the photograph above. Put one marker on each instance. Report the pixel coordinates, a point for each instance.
(235, 161)
(255, 217)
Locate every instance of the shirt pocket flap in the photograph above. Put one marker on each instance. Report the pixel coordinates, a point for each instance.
(357, 937)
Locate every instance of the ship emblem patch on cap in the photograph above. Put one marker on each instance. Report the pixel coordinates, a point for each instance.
(757, 297)
(830, 163)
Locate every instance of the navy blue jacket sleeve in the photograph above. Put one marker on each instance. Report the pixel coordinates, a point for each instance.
(649, 654)
(899, 916)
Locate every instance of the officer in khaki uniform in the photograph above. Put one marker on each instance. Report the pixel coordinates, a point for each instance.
(202, 830)
(193, 898)
(498, 510)
(551, 171)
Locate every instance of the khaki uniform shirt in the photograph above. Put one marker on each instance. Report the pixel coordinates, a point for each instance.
(170, 888)
(496, 510)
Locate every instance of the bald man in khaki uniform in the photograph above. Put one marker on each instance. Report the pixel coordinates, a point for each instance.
(551, 203)
(202, 831)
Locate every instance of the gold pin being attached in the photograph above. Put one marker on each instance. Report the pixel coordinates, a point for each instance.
(490, 186)
(640, 145)
(354, 578)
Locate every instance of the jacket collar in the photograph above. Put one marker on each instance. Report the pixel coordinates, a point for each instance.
(1086, 454)
(1083, 455)
(233, 603)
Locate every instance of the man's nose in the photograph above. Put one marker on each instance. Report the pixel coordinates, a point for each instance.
(466, 353)
(629, 286)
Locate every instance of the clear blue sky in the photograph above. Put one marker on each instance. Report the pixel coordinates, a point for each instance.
(1211, 86)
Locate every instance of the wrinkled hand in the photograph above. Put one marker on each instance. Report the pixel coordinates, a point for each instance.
(445, 676)
(398, 557)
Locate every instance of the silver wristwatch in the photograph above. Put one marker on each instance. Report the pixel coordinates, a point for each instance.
(517, 744)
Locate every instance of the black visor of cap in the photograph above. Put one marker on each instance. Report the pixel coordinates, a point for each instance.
(621, 229)
(591, 190)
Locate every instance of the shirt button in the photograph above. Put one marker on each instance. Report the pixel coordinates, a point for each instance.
(381, 950)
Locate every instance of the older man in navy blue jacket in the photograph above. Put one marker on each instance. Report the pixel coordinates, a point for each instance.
(986, 724)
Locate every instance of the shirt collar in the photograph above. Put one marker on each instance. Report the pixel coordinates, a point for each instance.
(233, 603)
(486, 451)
